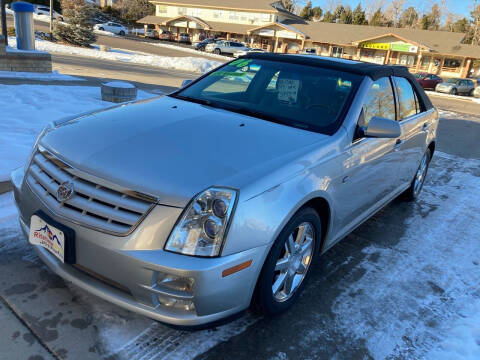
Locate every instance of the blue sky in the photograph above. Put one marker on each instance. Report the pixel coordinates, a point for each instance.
(461, 7)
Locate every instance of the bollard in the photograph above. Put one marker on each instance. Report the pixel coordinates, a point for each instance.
(24, 25)
(118, 92)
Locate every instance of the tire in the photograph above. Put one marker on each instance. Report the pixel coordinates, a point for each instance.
(217, 51)
(122, 33)
(264, 299)
(101, 28)
(413, 192)
(471, 92)
(453, 92)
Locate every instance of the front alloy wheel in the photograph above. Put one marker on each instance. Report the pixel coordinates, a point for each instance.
(287, 267)
(412, 193)
(294, 261)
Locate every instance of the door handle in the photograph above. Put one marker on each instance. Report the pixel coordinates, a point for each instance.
(398, 143)
(426, 126)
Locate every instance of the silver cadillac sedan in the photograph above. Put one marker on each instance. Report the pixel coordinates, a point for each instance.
(189, 208)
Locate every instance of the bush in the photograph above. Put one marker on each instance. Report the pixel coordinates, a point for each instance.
(74, 34)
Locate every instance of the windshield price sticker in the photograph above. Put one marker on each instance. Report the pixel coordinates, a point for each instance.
(288, 90)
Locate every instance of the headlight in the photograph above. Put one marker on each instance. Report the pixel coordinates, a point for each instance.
(203, 225)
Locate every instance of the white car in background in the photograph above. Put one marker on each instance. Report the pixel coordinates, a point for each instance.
(225, 47)
(112, 27)
(45, 10)
(247, 51)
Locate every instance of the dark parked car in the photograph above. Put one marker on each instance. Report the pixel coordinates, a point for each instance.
(166, 36)
(428, 81)
(200, 46)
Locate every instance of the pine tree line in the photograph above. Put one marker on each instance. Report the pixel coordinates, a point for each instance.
(395, 15)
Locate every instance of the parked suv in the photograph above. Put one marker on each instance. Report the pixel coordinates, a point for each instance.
(428, 81)
(456, 86)
(184, 38)
(225, 47)
(166, 36)
(112, 27)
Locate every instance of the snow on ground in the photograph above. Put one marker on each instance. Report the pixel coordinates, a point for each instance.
(26, 109)
(191, 64)
(53, 76)
(419, 298)
(458, 97)
(190, 50)
(423, 293)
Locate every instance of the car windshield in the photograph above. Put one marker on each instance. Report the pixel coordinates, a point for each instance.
(296, 95)
(452, 81)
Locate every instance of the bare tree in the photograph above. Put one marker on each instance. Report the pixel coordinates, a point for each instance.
(394, 10)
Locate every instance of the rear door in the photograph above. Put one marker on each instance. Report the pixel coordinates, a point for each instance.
(414, 123)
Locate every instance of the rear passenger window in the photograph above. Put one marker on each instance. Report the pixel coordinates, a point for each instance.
(379, 101)
(406, 98)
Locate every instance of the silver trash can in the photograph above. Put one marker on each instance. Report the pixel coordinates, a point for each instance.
(24, 25)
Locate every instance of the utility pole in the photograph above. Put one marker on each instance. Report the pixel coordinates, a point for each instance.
(4, 21)
(51, 20)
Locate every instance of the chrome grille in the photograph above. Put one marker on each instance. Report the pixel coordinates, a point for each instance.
(95, 204)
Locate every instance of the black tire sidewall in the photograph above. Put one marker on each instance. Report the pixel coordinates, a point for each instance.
(264, 297)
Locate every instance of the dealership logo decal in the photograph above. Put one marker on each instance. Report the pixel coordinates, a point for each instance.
(46, 235)
(65, 191)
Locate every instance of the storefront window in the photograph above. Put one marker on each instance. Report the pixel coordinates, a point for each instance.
(452, 63)
(425, 61)
(408, 60)
(337, 51)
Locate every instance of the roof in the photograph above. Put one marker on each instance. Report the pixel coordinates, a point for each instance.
(152, 19)
(444, 42)
(374, 71)
(259, 5)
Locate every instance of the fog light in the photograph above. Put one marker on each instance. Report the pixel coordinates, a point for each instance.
(172, 282)
(177, 304)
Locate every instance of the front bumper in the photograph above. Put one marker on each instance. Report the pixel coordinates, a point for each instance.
(124, 270)
(442, 89)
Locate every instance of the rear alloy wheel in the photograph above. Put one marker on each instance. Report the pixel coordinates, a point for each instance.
(453, 92)
(122, 33)
(286, 269)
(101, 28)
(412, 193)
(218, 52)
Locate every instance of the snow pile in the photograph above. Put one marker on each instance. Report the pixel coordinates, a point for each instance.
(190, 64)
(191, 50)
(458, 97)
(407, 299)
(26, 109)
(53, 76)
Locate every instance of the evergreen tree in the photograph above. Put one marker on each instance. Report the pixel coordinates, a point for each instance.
(473, 36)
(337, 14)
(425, 22)
(358, 16)
(408, 18)
(347, 16)
(289, 5)
(79, 16)
(329, 18)
(317, 13)
(139, 9)
(378, 19)
(307, 11)
(461, 26)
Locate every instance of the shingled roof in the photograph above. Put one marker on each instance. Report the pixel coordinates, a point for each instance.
(256, 5)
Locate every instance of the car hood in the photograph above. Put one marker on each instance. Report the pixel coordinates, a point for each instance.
(173, 149)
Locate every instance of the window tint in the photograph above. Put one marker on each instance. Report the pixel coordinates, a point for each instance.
(379, 102)
(406, 98)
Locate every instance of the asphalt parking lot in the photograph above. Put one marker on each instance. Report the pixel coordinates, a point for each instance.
(393, 289)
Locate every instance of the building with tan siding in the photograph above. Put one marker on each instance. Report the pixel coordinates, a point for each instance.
(266, 24)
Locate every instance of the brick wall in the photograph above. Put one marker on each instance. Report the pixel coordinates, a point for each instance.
(25, 61)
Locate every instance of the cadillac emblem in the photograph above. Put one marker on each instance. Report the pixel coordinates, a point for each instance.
(65, 191)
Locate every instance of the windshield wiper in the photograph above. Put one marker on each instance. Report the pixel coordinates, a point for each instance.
(192, 99)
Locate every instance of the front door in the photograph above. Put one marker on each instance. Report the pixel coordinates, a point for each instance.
(370, 175)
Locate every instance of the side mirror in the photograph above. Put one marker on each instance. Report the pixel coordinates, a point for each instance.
(379, 127)
(186, 82)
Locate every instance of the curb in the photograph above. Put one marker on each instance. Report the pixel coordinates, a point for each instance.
(5, 186)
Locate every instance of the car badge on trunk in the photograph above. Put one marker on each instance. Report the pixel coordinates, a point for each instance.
(65, 191)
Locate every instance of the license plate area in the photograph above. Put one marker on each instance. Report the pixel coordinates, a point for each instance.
(57, 238)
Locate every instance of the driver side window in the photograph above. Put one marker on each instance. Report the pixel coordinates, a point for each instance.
(379, 101)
